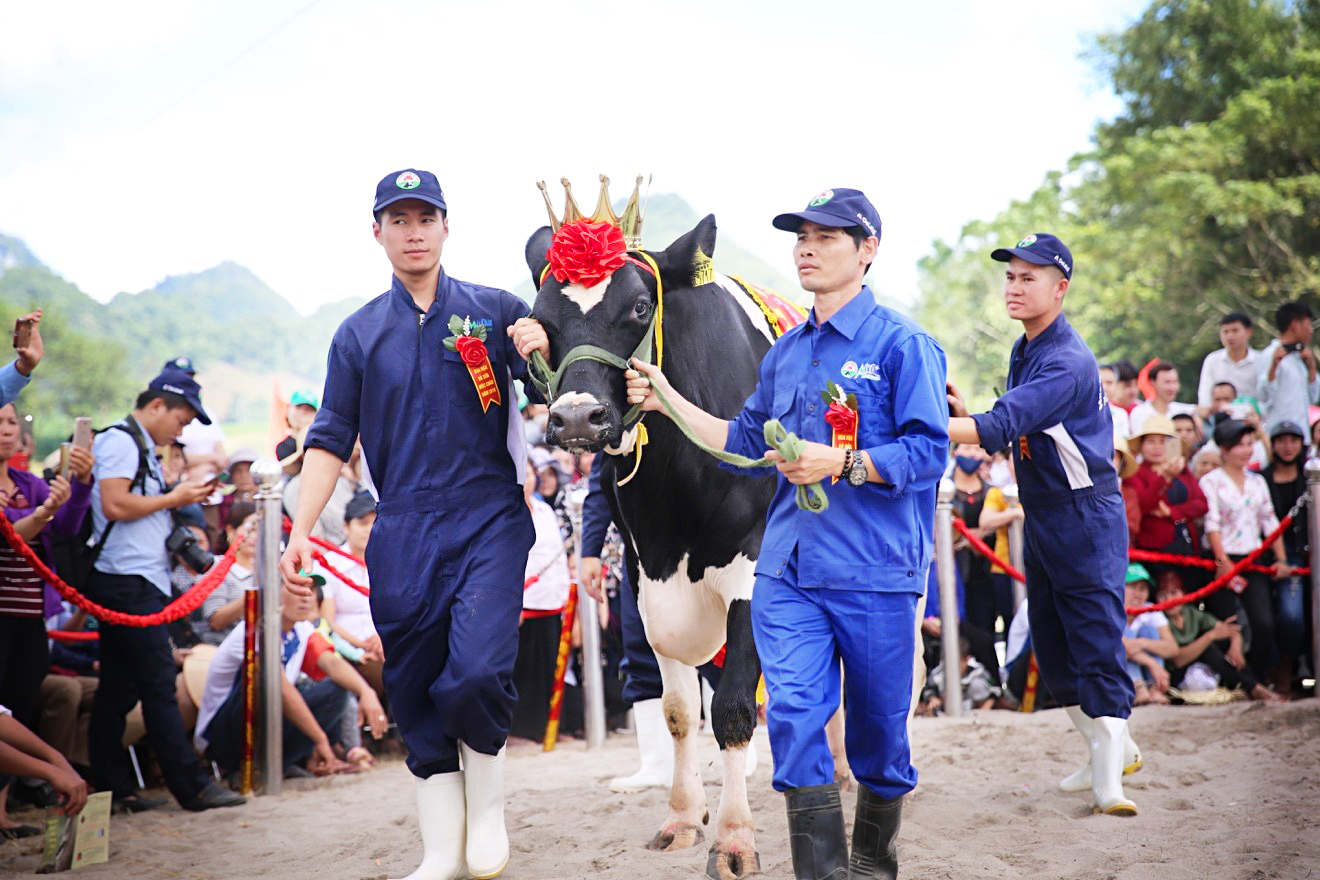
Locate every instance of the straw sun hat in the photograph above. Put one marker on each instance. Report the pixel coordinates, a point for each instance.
(1158, 425)
(1129, 461)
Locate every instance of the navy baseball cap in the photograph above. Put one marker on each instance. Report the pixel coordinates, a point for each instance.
(183, 363)
(178, 381)
(1040, 249)
(839, 208)
(410, 183)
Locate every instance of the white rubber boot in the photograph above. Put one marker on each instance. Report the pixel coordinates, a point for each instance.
(1107, 741)
(487, 838)
(1081, 779)
(442, 818)
(656, 747)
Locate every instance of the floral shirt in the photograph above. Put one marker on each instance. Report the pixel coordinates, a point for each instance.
(1242, 517)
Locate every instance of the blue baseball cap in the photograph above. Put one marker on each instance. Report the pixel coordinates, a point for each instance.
(410, 183)
(1040, 249)
(839, 208)
(183, 363)
(177, 381)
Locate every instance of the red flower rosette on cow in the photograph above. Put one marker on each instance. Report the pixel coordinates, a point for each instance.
(842, 416)
(586, 253)
(469, 341)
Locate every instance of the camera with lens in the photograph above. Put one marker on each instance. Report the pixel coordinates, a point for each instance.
(182, 544)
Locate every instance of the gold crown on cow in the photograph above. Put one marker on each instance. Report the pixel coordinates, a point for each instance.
(629, 223)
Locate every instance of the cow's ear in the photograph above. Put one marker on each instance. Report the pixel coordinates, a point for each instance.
(537, 245)
(687, 262)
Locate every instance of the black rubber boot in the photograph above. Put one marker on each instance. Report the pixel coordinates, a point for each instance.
(875, 837)
(816, 836)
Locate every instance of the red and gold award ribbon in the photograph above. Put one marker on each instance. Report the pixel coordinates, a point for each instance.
(469, 340)
(842, 416)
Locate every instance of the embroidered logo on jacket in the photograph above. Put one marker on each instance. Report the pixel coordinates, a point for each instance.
(854, 370)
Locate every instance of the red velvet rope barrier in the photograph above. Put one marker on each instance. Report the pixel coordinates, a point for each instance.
(176, 610)
(1136, 554)
(984, 549)
(64, 635)
(325, 563)
(1245, 564)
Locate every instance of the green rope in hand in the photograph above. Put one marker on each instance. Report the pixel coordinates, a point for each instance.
(811, 497)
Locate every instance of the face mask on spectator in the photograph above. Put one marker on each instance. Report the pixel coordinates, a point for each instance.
(967, 464)
(999, 475)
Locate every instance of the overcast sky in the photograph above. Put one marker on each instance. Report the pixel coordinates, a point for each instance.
(149, 138)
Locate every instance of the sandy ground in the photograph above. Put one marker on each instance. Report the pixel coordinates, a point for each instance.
(1227, 792)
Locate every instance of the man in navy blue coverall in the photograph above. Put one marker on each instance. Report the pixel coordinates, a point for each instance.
(842, 585)
(1055, 419)
(444, 443)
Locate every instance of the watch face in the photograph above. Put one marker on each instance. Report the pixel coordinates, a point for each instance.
(857, 473)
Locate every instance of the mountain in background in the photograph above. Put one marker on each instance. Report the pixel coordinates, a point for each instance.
(243, 336)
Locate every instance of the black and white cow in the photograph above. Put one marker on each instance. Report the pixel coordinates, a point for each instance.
(695, 528)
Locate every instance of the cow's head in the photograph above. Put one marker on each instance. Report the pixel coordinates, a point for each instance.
(613, 313)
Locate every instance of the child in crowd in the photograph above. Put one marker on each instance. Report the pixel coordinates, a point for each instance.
(1147, 640)
(980, 689)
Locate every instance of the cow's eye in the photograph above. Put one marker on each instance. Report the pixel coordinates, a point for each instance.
(642, 309)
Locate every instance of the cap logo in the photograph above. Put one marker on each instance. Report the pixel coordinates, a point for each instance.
(183, 363)
(1063, 264)
(1027, 242)
(821, 199)
(407, 180)
(870, 227)
(173, 389)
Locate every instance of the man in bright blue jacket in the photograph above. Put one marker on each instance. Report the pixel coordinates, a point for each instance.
(1055, 419)
(864, 387)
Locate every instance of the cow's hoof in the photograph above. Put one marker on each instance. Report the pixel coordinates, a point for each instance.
(732, 865)
(676, 836)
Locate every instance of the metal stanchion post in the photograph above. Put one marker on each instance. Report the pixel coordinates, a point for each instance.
(1313, 486)
(593, 681)
(1016, 556)
(948, 598)
(270, 521)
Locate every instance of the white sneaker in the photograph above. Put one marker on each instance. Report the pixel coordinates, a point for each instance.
(442, 818)
(487, 838)
(1080, 780)
(656, 746)
(1107, 736)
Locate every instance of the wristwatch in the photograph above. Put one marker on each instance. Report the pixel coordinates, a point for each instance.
(854, 467)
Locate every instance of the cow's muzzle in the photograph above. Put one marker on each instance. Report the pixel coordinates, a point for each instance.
(580, 425)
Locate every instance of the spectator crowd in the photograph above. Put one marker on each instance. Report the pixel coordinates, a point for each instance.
(136, 515)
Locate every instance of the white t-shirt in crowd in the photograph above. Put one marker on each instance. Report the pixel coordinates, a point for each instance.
(547, 558)
(222, 674)
(352, 609)
(1142, 411)
(1122, 424)
(197, 437)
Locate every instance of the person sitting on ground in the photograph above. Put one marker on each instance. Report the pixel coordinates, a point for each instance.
(1239, 517)
(1236, 363)
(1164, 379)
(22, 753)
(1167, 499)
(980, 689)
(1147, 640)
(223, 609)
(1204, 639)
(312, 710)
(346, 611)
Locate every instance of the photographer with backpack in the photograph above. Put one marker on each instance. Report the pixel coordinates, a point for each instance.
(134, 533)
